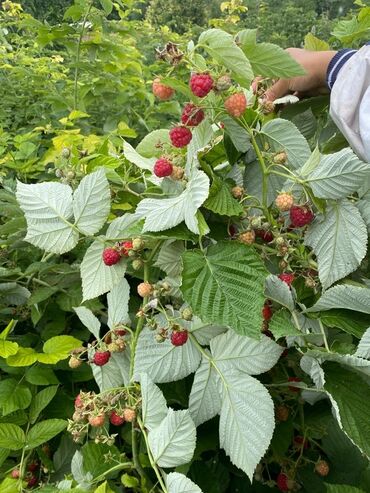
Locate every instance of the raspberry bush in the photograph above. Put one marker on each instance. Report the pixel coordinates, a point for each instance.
(215, 280)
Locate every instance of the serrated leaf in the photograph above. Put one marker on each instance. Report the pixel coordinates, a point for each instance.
(225, 286)
(353, 323)
(354, 298)
(84, 479)
(351, 395)
(154, 406)
(279, 291)
(220, 200)
(118, 299)
(246, 420)
(204, 333)
(40, 401)
(312, 367)
(161, 214)
(232, 351)
(48, 212)
(281, 324)
(98, 278)
(238, 135)
(8, 348)
(282, 135)
(58, 348)
(172, 443)
(338, 175)
(201, 137)
(135, 158)
(342, 488)
(24, 357)
(312, 43)
(164, 362)
(169, 257)
(339, 240)
(126, 226)
(270, 60)
(363, 349)
(90, 321)
(178, 483)
(91, 202)
(149, 147)
(12, 437)
(222, 47)
(363, 206)
(9, 485)
(44, 431)
(13, 396)
(115, 373)
(253, 180)
(204, 399)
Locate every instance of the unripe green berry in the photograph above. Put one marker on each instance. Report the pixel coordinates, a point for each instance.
(187, 313)
(138, 244)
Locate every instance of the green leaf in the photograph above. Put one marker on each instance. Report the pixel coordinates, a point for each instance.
(338, 175)
(129, 481)
(58, 348)
(13, 396)
(270, 60)
(245, 433)
(222, 47)
(107, 6)
(363, 349)
(204, 399)
(44, 431)
(115, 373)
(363, 206)
(279, 291)
(154, 406)
(339, 240)
(39, 375)
(354, 323)
(90, 321)
(225, 286)
(351, 395)
(12, 436)
(281, 324)
(48, 211)
(118, 299)
(24, 357)
(8, 348)
(342, 488)
(232, 351)
(178, 483)
(9, 485)
(91, 202)
(312, 43)
(172, 443)
(238, 135)
(134, 157)
(164, 362)
(40, 401)
(149, 147)
(354, 298)
(282, 135)
(221, 201)
(98, 278)
(169, 257)
(161, 214)
(4, 334)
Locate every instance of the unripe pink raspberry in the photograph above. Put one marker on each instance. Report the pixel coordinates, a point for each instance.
(162, 167)
(116, 419)
(144, 289)
(111, 256)
(129, 414)
(284, 201)
(201, 84)
(287, 277)
(301, 216)
(161, 91)
(192, 115)
(97, 421)
(180, 136)
(236, 104)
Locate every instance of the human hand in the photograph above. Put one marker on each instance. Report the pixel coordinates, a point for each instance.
(313, 83)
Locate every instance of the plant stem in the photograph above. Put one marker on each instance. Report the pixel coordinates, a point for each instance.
(78, 54)
(151, 459)
(324, 336)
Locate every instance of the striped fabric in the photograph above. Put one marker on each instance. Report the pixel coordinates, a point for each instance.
(337, 62)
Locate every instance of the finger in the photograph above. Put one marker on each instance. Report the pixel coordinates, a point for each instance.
(278, 90)
(255, 84)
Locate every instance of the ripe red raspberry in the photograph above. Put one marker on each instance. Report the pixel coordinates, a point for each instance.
(236, 104)
(180, 136)
(301, 215)
(299, 441)
(162, 167)
(192, 115)
(15, 473)
(266, 312)
(78, 402)
(294, 379)
(33, 466)
(101, 358)
(129, 414)
(97, 420)
(161, 91)
(126, 247)
(282, 482)
(201, 84)
(266, 236)
(247, 237)
(32, 481)
(144, 289)
(284, 201)
(322, 468)
(111, 256)
(179, 337)
(116, 419)
(287, 278)
(120, 332)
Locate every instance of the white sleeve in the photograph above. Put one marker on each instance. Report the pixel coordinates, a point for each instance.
(350, 102)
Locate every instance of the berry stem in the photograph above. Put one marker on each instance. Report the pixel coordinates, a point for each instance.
(322, 329)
